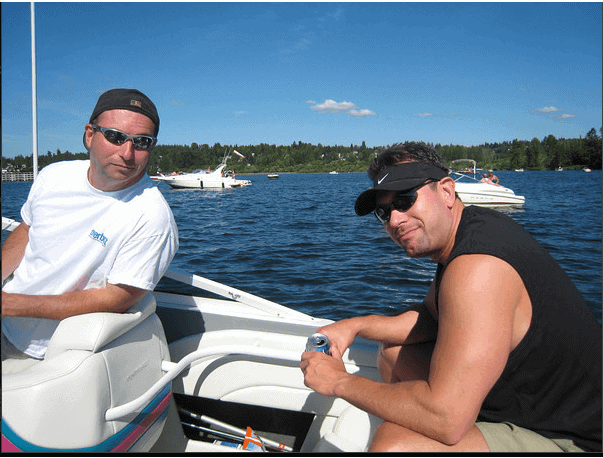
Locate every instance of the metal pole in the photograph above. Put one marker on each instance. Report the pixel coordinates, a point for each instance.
(34, 95)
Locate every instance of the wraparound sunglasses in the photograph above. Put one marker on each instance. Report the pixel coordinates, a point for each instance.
(402, 202)
(117, 137)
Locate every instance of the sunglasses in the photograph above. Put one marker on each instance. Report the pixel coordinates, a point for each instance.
(401, 202)
(117, 137)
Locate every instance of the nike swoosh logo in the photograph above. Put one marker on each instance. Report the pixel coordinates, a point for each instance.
(381, 180)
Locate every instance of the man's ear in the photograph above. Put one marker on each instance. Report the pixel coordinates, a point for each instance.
(87, 138)
(447, 187)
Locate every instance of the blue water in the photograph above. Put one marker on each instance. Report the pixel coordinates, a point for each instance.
(297, 241)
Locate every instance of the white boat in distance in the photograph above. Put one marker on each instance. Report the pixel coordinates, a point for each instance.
(473, 192)
(206, 179)
(182, 373)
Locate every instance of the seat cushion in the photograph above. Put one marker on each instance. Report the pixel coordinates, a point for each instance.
(93, 331)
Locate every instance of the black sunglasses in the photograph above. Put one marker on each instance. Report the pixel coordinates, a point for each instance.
(402, 202)
(117, 137)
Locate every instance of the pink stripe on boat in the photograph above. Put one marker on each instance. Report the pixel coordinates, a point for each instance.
(8, 447)
(144, 425)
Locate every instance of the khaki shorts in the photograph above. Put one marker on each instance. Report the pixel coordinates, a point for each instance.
(507, 437)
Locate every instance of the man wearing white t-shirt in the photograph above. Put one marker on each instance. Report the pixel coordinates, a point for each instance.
(96, 235)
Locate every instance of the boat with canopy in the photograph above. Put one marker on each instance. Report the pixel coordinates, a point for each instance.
(473, 192)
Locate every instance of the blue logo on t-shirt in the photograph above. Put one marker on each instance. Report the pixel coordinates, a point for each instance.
(99, 237)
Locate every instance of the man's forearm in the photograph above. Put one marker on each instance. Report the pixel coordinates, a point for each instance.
(413, 326)
(13, 250)
(409, 404)
(113, 298)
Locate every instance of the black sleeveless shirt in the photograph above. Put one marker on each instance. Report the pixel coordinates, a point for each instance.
(552, 381)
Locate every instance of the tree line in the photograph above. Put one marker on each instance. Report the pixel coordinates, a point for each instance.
(299, 157)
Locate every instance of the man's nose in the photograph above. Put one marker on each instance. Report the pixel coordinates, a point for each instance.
(397, 217)
(127, 149)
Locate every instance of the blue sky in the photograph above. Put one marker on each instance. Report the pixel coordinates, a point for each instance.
(329, 73)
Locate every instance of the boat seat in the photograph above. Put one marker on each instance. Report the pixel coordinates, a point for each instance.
(352, 432)
(93, 362)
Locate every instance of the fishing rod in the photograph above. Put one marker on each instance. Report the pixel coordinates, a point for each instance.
(233, 429)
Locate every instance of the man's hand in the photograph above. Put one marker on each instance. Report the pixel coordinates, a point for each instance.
(323, 372)
(341, 334)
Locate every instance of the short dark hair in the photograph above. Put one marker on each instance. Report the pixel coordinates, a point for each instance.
(406, 152)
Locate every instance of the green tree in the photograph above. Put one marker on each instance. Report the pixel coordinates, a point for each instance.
(533, 153)
(593, 148)
(518, 156)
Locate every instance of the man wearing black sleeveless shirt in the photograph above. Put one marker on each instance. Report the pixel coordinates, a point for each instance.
(517, 372)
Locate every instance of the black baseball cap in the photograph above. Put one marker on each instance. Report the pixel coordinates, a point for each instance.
(126, 99)
(399, 177)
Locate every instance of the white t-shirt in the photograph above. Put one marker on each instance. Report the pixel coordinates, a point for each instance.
(82, 238)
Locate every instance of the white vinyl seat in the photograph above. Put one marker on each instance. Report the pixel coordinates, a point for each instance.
(93, 362)
(353, 432)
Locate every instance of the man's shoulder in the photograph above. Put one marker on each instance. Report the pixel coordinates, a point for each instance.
(487, 221)
(153, 205)
(60, 176)
(65, 167)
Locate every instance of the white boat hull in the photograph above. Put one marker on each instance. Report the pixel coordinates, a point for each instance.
(487, 195)
(202, 181)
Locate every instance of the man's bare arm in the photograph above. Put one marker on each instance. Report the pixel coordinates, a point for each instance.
(414, 325)
(13, 249)
(474, 340)
(113, 298)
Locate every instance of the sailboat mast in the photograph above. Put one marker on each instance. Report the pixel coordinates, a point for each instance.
(34, 95)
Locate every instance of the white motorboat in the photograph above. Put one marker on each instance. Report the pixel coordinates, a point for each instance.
(273, 176)
(206, 179)
(484, 194)
(179, 373)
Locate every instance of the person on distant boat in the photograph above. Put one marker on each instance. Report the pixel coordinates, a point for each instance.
(493, 178)
(520, 372)
(96, 235)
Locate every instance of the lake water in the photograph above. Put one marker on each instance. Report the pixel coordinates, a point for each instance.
(296, 240)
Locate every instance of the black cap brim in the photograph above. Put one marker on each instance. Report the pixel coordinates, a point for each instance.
(400, 177)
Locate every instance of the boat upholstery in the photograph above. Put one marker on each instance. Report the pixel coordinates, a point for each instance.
(338, 426)
(94, 362)
(353, 431)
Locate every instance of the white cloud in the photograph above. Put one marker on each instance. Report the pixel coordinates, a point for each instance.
(564, 116)
(550, 109)
(361, 113)
(331, 106)
(301, 45)
(311, 101)
(425, 115)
